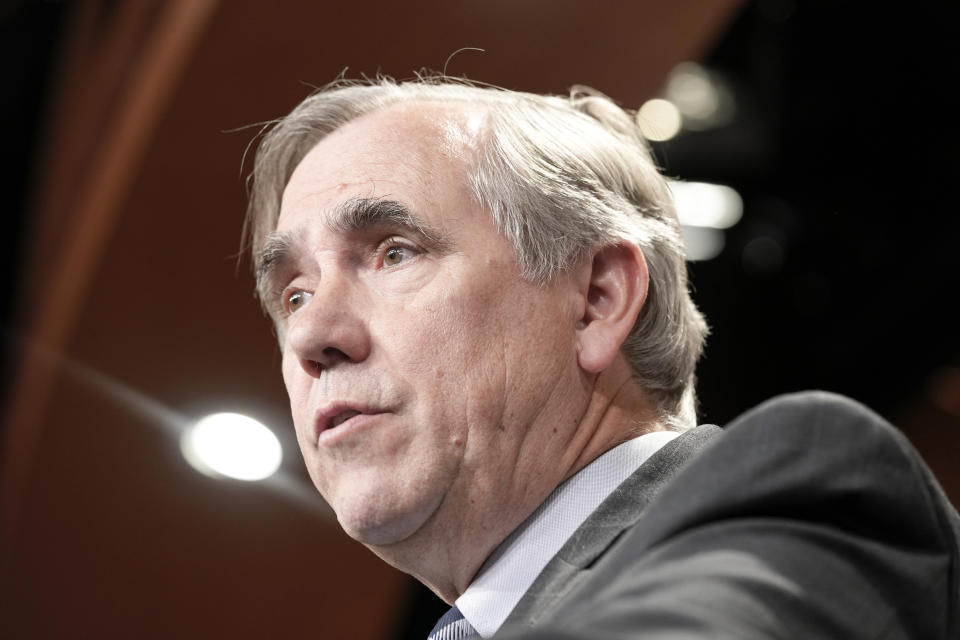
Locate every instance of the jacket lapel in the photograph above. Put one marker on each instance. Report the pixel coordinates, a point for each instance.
(617, 513)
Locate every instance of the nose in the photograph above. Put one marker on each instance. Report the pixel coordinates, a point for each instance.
(331, 329)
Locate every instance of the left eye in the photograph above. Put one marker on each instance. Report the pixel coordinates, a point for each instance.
(395, 255)
(297, 299)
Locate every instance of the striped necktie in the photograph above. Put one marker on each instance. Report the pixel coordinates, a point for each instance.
(453, 626)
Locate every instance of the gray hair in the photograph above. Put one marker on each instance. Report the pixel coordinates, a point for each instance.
(559, 176)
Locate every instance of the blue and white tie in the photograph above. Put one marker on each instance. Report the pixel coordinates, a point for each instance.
(453, 626)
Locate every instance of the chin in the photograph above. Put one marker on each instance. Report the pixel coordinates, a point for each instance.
(382, 527)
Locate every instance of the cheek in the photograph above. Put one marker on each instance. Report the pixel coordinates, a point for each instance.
(297, 383)
(447, 347)
(288, 365)
(466, 333)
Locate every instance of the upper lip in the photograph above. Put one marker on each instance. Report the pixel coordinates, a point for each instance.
(333, 414)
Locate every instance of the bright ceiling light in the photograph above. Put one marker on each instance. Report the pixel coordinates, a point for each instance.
(659, 120)
(701, 204)
(232, 445)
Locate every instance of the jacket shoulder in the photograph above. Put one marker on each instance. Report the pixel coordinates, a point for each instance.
(810, 516)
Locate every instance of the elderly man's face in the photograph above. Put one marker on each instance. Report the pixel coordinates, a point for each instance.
(429, 383)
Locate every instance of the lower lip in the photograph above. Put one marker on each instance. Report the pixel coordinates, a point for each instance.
(346, 428)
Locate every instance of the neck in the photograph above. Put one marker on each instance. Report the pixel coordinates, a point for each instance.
(618, 410)
(448, 550)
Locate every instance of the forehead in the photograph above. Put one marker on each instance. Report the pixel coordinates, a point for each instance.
(413, 153)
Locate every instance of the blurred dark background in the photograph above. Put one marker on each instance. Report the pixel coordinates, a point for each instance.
(124, 134)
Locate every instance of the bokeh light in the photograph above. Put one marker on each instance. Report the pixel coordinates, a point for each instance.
(702, 204)
(232, 445)
(659, 120)
(702, 243)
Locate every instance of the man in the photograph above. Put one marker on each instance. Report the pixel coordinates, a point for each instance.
(489, 348)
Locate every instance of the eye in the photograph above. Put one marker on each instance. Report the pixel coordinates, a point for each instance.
(395, 254)
(296, 300)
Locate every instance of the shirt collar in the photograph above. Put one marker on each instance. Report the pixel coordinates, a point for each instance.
(516, 563)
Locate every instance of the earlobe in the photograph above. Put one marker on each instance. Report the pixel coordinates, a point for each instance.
(615, 288)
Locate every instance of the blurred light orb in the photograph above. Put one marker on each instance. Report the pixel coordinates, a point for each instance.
(659, 120)
(762, 257)
(231, 445)
(702, 204)
(703, 97)
(702, 243)
(692, 90)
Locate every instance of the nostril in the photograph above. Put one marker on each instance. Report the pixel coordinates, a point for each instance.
(333, 354)
(329, 357)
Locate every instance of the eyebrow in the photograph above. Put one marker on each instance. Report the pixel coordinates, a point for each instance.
(354, 215)
(361, 214)
(276, 253)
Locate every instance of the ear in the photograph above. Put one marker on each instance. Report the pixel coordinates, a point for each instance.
(614, 284)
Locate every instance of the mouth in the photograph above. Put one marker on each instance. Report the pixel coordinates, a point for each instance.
(335, 415)
(341, 417)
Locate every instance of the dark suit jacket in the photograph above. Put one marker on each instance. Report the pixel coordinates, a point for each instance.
(808, 517)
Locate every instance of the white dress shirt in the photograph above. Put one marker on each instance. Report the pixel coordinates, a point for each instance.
(516, 563)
